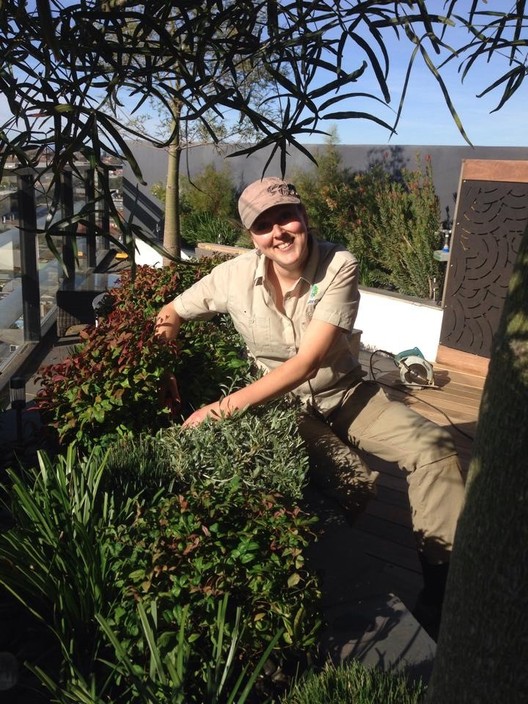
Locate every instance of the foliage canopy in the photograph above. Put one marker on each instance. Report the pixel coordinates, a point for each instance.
(68, 65)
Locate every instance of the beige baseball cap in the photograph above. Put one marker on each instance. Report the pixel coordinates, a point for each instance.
(263, 194)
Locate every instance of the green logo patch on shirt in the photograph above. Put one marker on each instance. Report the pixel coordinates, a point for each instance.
(313, 293)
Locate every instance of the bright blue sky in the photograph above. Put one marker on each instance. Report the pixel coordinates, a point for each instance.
(426, 118)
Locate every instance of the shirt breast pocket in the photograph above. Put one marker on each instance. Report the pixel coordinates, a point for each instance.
(255, 331)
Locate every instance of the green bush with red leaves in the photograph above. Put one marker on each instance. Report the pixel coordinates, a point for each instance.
(109, 385)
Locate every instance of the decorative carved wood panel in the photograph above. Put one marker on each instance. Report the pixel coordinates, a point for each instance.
(490, 218)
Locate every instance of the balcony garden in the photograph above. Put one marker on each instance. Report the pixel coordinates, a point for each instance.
(133, 567)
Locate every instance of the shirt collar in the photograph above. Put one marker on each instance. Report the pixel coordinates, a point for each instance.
(308, 274)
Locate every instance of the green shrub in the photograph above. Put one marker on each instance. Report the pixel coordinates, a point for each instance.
(328, 195)
(353, 683)
(227, 531)
(388, 216)
(395, 227)
(209, 212)
(261, 447)
(210, 191)
(188, 551)
(109, 385)
(204, 227)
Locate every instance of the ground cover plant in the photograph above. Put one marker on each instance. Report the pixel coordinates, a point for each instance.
(353, 683)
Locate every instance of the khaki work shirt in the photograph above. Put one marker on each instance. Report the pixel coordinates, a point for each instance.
(327, 290)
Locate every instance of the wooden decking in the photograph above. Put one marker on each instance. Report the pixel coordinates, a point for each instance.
(384, 530)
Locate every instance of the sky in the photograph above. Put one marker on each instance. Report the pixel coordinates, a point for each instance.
(426, 118)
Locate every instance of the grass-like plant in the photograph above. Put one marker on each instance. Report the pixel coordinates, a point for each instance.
(206, 227)
(165, 677)
(353, 683)
(52, 559)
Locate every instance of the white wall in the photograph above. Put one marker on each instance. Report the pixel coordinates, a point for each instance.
(147, 255)
(396, 323)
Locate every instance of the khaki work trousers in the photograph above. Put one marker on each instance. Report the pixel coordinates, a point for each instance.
(368, 421)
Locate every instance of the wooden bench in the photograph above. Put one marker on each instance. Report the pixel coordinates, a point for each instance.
(75, 297)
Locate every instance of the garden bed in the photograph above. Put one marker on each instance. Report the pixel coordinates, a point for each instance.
(163, 565)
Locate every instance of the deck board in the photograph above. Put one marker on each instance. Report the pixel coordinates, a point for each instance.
(384, 530)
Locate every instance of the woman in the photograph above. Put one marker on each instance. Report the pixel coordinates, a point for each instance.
(294, 301)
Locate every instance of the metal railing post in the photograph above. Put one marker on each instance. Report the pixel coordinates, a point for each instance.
(89, 192)
(105, 211)
(27, 209)
(68, 254)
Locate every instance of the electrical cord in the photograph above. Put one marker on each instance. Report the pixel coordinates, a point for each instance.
(409, 393)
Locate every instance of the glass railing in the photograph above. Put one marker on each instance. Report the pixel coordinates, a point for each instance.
(30, 273)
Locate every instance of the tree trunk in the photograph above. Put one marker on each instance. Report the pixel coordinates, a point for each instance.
(482, 653)
(171, 231)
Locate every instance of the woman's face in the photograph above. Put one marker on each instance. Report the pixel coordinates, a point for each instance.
(281, 234)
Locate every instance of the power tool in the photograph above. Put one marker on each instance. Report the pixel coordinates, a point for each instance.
(415, 370)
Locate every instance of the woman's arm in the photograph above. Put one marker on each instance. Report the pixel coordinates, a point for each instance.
(166, 328)
(168, 323)
(316, 343)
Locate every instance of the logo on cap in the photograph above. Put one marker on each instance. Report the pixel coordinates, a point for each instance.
(284, 189)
